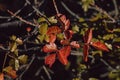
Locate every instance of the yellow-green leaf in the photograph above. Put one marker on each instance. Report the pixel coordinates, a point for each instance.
(75, 29)
(60, 36)
(41, 37)
(52, 19)
(23, 59)
(43, 28)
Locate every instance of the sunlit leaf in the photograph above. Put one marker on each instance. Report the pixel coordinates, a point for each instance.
(50, 47)
(50, 59)
(85, 52)
(75, 44)
(1, 76)
(43, 28)
(88, 36)
(23, 59)
(53, 30)
(19, 41)
(9, 71)
(17, 64)
(52, 19)
(41, 19)
(13, 47)
(100, 46)
(75, 29)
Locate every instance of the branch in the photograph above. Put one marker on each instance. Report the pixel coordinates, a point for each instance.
(20, 18)
(55, 6)
(71, 12)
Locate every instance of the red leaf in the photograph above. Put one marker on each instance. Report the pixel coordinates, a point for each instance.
(28, 29)
(50, 47)
(63, 54)
(65, 42)
(53, 30)
(65, 21)
(68, 34)
(100, 46)
(12, 73)
(52, 38)
(85, 52)
(62, 58)
(88, 36)
(49, 60)
(1, 76)
(65, 50)
(74, 44)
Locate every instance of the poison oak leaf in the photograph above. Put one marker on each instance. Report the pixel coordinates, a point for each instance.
(63, 54)
(50, 59)
(9, 71)
(65, 51)
(74, 44)
(62, 58)
(100, 46)
(66, 22)
(53, 30)
(52, 38)
(65, 42)
(88, 36)
(68, 34)
(1, 76)
(50, 47)
(85, 52)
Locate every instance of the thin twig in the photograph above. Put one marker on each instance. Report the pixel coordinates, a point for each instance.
(28, 66)
(47, 73)
(71, 12)
(56, 9)
(104, 12)
(20, 18)
(28, 2)
(5, 60)
(116, 8)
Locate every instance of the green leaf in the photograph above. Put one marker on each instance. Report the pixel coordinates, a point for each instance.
(60, 36)
(75, 29)
(52, 19)
(43, 28)
(41, 38)
(23, 59)
(116, 39)
(97, 52)
(13, 47)
(16, 64)
(42, 19)
(108, 36)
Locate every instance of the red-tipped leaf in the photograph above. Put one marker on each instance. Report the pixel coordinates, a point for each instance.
(53, 30)
(1, 76)
(99, 45)
(88, 36)
(85, 52)
(50, 47)
(75, 44)
(49, 60)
